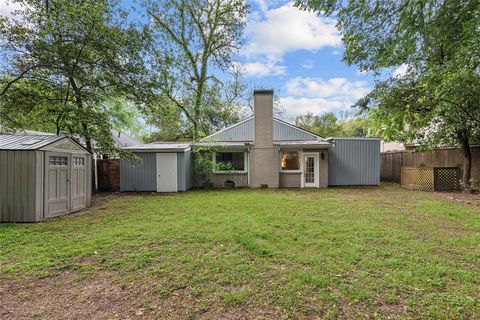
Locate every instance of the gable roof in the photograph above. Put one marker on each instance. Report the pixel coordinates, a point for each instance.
(243, 131)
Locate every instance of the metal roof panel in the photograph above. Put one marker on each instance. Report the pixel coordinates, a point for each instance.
(27, 141)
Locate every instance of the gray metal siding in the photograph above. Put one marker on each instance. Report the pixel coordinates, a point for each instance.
(188, 163)
(354, 162)
(17, 186)
(180, 172)
(244, 131)
(285, 132)
(139, 177)
(240, 132)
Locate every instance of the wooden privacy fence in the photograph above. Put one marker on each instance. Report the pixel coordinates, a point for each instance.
(108, 175)
(392, 162)
(430, 179)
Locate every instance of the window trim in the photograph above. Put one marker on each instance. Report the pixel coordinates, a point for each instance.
(82, 161)
(299, 170)
(245, 163)
(57, 161)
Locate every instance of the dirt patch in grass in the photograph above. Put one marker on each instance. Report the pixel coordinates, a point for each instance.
(68, 296)
(460, 197)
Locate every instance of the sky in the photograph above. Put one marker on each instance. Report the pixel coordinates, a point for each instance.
(299, 55)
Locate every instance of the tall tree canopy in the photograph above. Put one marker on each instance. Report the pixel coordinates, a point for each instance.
(62, 60)
(194, 42)
(437, 43)
(329, 125)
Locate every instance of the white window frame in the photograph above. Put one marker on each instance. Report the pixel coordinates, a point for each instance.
(317, 167)
(299, 170)
(245, 162)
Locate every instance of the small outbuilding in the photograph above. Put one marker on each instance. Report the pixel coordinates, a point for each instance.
(164, 167)
(354, 161)
(42, 176)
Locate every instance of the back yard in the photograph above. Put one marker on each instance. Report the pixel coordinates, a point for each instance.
(332, 253)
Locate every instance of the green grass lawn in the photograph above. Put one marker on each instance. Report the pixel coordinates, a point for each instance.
(331, 253)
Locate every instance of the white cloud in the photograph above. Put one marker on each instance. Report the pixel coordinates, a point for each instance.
(308, 64)
(298, 106)
(317, 95)
(400, 71)
(7, 7)
(262, 69)
(316, 87)
(272, 32)
(286, 28)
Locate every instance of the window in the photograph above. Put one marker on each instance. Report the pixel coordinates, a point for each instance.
(290, 161)
(235, 160)
(57, 161)
(77, 161)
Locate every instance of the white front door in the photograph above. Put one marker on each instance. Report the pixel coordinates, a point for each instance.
(311, 176)
(167, 172)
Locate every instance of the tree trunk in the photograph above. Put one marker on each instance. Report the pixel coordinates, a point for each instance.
(464, 140)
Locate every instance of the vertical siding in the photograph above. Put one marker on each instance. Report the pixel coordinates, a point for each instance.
(188, 170)
(285, 132)
(39, 184)
(244, 131)
(139, 177)
(240, 132)
(354, 162)
(180, 172)
(17, 186)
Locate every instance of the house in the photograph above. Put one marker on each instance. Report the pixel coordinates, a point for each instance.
(261, 152)
(42, 176)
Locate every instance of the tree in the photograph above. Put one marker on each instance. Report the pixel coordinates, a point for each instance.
(62, 59)
(325, 125)
(328, 125)
(194, 40)
(168, 122)
(437, 43)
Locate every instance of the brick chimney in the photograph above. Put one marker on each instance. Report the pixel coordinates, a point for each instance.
(263, 155)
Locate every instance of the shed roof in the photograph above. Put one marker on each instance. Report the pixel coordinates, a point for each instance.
(27, 141)
(160, 147)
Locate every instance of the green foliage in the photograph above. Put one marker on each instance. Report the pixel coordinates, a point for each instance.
(125, 117)
(62, 60)
(203, 162)
(328, 125)
(192, 41)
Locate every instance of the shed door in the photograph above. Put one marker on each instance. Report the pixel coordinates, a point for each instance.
(167, 172)
(57, 184)
(79, 182)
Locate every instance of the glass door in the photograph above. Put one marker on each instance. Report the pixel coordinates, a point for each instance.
(310, 170)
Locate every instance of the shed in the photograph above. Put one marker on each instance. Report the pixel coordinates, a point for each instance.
(42, 176)
(354, 161)
(164, 167)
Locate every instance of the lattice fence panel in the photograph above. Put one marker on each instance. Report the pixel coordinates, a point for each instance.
(417, 178)
(446, 179)
(430, 179)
